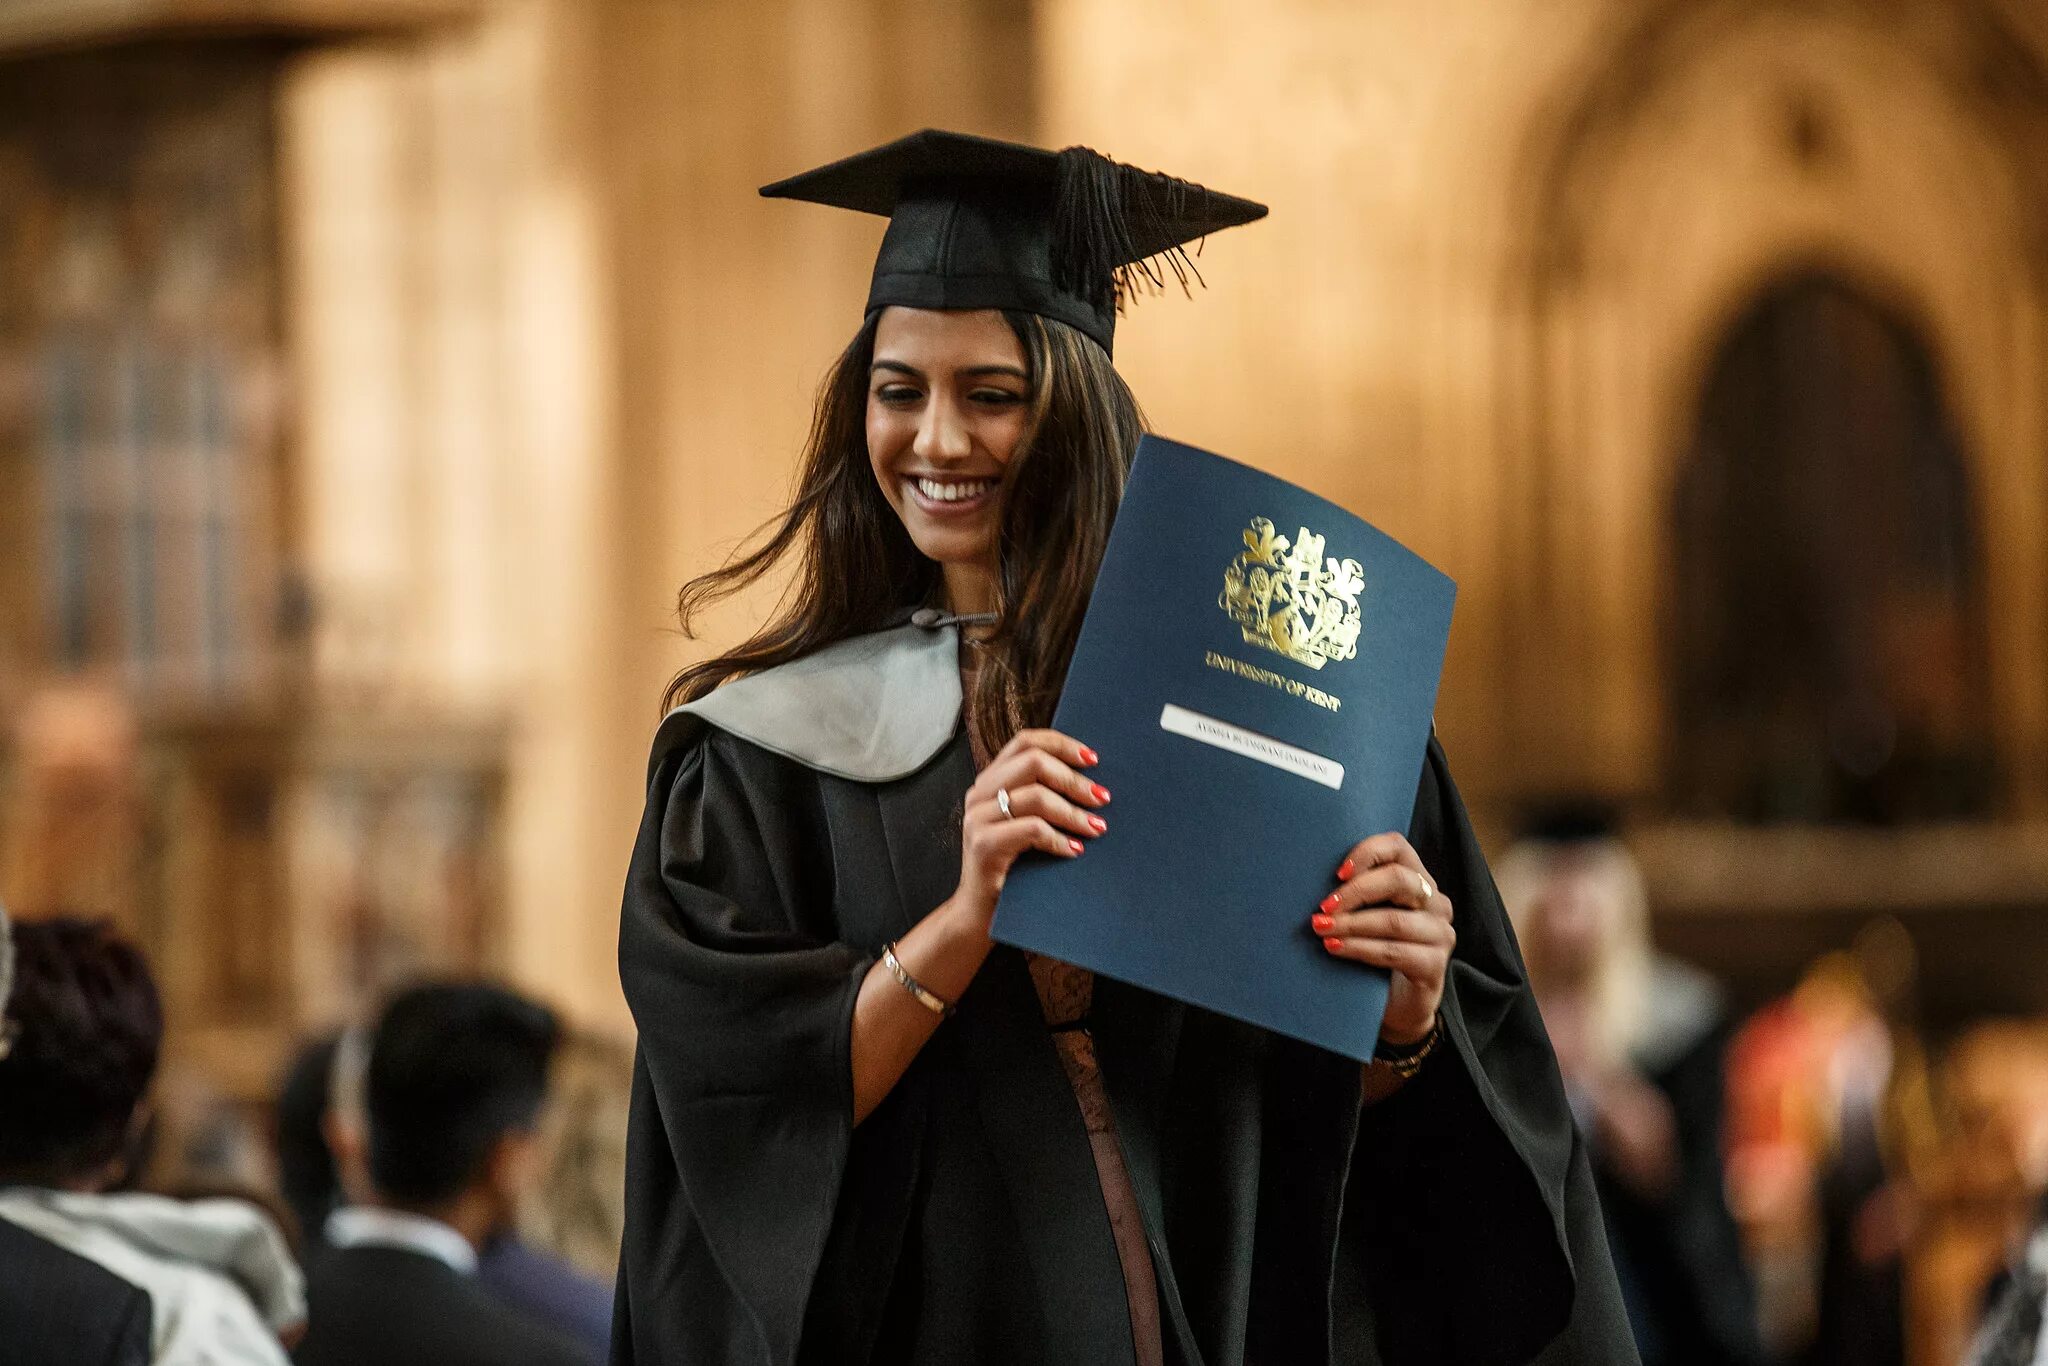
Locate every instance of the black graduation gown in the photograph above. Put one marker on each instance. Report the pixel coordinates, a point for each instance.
(963, 1221)
(1678, 1256)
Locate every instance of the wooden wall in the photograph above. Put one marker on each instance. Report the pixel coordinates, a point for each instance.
(1504, 244)
(557, 356)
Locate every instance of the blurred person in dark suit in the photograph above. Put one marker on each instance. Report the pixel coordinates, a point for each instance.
(1640, 1039)
(320, 1112)
(450, 1095)
(208, 1281)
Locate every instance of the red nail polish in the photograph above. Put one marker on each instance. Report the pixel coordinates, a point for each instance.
(1074, 846)
(1089, 756)
(1333, 944)
(1344, 870)
(1328, 903)
(1321, 924)
(1100, 792)
(1098, 823)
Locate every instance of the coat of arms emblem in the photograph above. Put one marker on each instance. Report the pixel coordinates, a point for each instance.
(1291, 599)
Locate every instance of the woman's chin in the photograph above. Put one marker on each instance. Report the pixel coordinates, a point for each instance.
(952, 547)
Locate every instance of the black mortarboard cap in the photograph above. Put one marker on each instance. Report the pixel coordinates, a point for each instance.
(977, 223)
(1573, 819)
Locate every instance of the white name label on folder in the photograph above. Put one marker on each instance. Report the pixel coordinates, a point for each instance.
(1252, 745)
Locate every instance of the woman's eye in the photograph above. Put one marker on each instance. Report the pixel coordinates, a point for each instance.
(896, 393)
(997, 397)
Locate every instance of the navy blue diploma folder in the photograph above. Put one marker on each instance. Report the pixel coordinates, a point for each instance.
(1257, 671)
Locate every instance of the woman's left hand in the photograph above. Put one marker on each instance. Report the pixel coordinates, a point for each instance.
(1389, 912)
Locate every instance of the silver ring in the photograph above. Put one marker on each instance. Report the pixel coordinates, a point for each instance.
(1003, 801)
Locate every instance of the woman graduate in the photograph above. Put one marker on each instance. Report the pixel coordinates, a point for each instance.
(862, 1132)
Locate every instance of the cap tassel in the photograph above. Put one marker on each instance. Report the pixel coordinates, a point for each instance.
(1095, 252)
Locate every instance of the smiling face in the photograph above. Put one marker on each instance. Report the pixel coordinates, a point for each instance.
(1569, 921)
(949, 402)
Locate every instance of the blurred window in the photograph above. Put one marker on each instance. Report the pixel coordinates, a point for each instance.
(139, 324)
(1826, 636)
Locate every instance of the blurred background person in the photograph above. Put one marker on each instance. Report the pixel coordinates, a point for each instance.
(554, 1263)
(560, 1262)
(1640, 1039)
(84, 1027)
(2005, 1154)
(451, 1094)
(2011, 1332)
(1837, 1143)
(56, 1307)
(307, 1178)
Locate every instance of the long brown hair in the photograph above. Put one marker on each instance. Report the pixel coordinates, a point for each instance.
(856, 569)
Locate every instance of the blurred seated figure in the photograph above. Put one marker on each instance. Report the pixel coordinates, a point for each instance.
(450, 1095)
(306, 1176)
(82, 1028)
(1639, 1038)
(57, 1308)
(319, 1110)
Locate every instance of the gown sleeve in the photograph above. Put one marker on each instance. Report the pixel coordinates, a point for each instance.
(1471, 1215)
(742, 1103)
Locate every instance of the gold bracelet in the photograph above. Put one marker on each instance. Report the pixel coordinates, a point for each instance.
(924, 995)
(1406, 1062)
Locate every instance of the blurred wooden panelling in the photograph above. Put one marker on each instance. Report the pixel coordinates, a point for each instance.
(37, 26)
(1757, 905)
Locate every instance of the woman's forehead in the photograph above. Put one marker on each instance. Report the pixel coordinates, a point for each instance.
(946, 336)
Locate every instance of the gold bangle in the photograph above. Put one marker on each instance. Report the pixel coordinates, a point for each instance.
(924, 995)
(1406, 1062)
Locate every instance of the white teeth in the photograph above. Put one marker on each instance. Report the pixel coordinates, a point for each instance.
(953, 493)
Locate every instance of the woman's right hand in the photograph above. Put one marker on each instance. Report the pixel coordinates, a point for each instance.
(1050, 809)
(1051, 803)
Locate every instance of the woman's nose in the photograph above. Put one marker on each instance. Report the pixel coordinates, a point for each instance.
(942, 435)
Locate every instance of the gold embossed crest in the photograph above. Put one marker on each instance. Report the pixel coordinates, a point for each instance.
(1292, 600)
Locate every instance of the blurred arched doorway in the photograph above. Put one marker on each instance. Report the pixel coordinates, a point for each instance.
(1825, 637)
